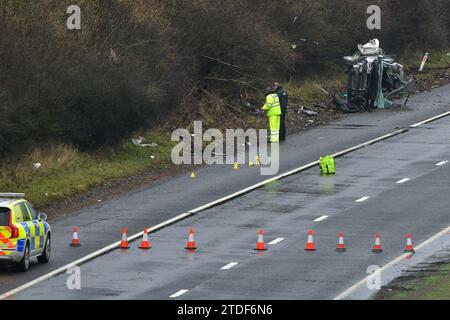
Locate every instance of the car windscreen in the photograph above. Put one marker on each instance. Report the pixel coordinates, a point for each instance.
(4, 217)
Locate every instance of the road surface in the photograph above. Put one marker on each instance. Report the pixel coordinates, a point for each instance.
(284, 209)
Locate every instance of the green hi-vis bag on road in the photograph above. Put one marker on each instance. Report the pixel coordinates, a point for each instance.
(327, 165)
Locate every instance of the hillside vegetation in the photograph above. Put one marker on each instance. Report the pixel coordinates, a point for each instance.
(135, 62)
(72, 99)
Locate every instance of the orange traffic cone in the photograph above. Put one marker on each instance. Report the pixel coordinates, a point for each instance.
(341, 245)
(377, 247)
(260, 246)
(75, 241)
(191, 245)
(124, 244)
(409, 245)
(145, 244)
(310, 244)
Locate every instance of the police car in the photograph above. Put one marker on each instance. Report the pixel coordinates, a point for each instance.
(24, 233)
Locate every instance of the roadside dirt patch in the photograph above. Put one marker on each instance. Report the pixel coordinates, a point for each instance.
(429, 280)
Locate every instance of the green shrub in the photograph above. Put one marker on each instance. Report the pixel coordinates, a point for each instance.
(133, 62)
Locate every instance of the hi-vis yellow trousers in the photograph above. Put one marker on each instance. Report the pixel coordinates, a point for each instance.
(274, 123)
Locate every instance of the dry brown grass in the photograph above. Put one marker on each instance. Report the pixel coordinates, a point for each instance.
(61, 157)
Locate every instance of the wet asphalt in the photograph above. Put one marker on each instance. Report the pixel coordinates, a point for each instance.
(286, 209)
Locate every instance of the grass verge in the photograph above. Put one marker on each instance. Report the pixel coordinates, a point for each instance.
(66, 172)
(430, 283)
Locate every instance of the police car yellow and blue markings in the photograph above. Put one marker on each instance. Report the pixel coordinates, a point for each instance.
(27, 230)
(35, 235)
(21, 242)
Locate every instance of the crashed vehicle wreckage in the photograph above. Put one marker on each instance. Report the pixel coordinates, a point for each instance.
(373, 79)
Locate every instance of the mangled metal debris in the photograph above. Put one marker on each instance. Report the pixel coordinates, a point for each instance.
(307, 112)
(373, 78)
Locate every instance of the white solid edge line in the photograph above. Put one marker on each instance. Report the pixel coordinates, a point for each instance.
(229, 266)
(276, 241)
(441, 163)
(321, 218)
(206, 206)
(179, 293)
(403, 180)
(360, 283)
(430, 120)
(87, 258)
(362, 199)
(294, 171)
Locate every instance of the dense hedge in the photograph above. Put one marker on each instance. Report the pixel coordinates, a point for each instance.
(133, 62)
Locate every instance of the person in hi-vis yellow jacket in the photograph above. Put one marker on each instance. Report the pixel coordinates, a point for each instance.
(273, 110)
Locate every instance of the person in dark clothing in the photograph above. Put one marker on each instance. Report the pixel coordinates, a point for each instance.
(284, 101)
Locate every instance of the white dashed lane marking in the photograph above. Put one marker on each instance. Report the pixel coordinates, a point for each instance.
(321, 218)
(441, 163)
(403, 181)
(363, 199)
(185, 215)
(276, 241)
(179, 293)
(229, 266)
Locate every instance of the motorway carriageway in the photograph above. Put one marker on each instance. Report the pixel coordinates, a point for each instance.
(366, 196)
